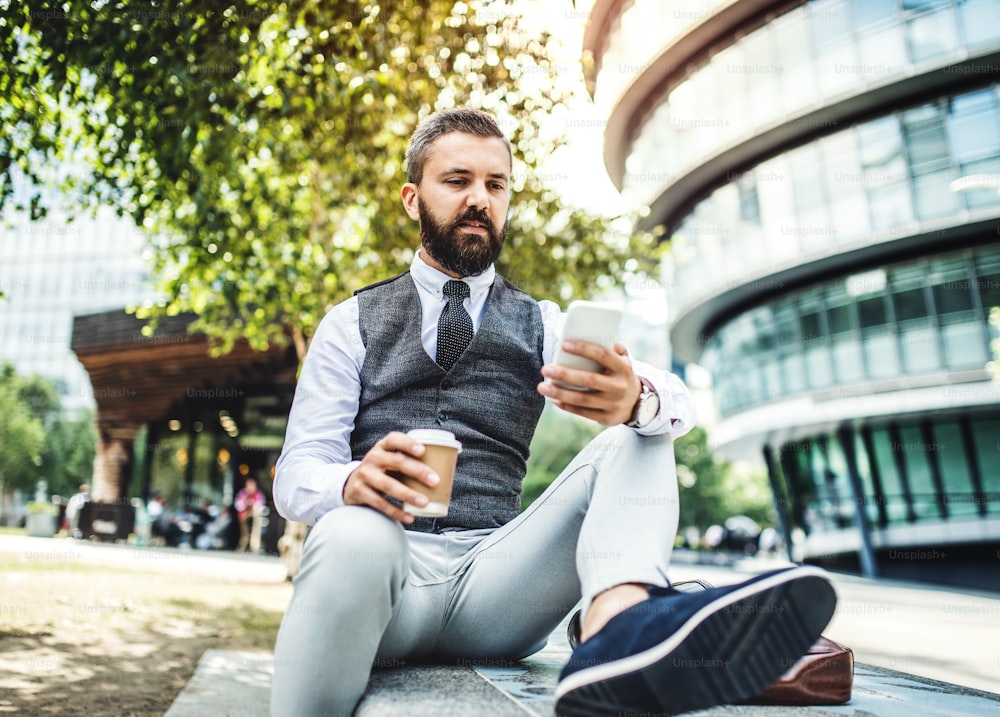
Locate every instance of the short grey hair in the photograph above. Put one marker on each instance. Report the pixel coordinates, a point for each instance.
(459, 119)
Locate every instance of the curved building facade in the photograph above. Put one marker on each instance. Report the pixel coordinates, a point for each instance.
(825, 265)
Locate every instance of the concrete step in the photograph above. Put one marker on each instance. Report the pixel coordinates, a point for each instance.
(237, 684)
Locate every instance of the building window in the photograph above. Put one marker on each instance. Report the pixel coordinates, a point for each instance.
(959, 494)
(916, 455)
(930, 28)
(986, 436)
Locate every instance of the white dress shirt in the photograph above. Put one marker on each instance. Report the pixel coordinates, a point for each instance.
(316, 458)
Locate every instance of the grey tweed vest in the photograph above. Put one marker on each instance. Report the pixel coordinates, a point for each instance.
(487, 399)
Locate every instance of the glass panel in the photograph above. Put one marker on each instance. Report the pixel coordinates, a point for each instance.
(973, 125)
(847, 360)
(961, 327)
(964, 345)
(881, 354)
(764, 329)
(830, 23)
(839, 495)
(988, 270)
(926, 139)
(810, 196)
(882, 50)
(772, 377)
(793, 369)
(987, 196)
(839, 318)
(921, 352)
(910, 304)
(733, 84)
(871, 312)
(749, 204)
(795, 55)
(986, 434)
(895, 502)
(818, 366)
(872, 12)
(809, 327)
(846, 181)
(954, 469)
(933, 196)
(930, 28)
(891, 207)
(777, 208)
(883, 163)
(867, 484)
(951, 287)
(762, 69)
(915, 453)
(978, 21)
(851, 215)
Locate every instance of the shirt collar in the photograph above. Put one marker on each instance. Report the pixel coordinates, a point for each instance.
(433, 280)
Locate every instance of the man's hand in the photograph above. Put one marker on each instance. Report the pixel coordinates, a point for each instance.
(613, 393)
(370, 482)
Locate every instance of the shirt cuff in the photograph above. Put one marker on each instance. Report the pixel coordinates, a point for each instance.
(309, 500)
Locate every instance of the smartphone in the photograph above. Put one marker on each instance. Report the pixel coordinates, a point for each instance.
(591, 321)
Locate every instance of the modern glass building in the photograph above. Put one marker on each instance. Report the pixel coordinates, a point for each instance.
(52, 269)
(825, 265)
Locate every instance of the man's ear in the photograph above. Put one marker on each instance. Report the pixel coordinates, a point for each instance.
(409, 195)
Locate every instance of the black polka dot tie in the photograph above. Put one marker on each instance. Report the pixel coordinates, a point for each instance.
(454, 326)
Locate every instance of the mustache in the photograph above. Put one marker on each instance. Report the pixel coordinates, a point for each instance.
(475, 215)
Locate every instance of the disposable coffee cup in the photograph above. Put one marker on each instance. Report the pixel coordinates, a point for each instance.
(441, 451)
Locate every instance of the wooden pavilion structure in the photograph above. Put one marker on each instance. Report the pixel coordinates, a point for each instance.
(151, 381)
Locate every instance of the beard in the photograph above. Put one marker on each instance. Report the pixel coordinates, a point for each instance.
(456, 250)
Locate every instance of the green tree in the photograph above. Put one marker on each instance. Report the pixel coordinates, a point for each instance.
(65, 456)
(38, 393)
(558, 438)
(702, 479)
(23, 436)
(261, 143)
(67, 459)
(712, 489)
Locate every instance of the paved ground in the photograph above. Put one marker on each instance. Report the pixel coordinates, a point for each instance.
(919, 650)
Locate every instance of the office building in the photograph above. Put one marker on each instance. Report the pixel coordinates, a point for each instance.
(827, 173)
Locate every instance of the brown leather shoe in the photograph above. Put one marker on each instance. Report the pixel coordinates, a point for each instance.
(822, 676)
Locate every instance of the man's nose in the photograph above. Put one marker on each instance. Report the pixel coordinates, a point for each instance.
(478, 197)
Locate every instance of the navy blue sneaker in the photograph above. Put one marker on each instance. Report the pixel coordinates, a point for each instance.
(682, 651)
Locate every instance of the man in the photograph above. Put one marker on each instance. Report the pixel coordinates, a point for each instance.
(377, 586)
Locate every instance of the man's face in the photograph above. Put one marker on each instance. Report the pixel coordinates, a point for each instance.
(461, 202)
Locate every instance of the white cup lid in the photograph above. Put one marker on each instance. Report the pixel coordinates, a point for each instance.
(435, 437)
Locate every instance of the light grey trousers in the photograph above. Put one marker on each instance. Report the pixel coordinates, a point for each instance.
(370, 593)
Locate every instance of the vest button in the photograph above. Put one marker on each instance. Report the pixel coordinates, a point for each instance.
(442, 417)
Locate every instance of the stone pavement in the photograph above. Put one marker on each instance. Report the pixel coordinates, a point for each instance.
(238, 684)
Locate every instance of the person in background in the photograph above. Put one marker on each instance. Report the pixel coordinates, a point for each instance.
(73, 509)
(159, 517)
(249, 504)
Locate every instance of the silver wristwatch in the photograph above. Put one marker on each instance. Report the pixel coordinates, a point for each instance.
(646, 408)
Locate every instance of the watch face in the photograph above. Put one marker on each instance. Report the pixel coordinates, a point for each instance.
(648, 408)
